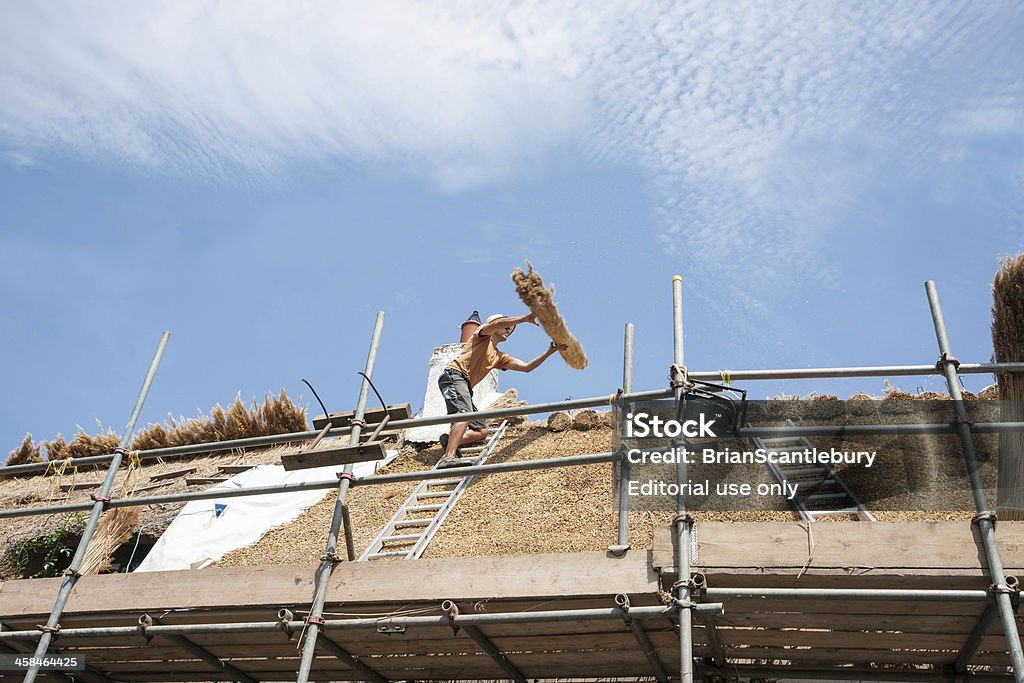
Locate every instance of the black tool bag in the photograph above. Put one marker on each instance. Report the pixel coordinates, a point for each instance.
(725, 405)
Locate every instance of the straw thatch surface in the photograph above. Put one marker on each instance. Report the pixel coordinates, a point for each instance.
(541, 303)
(1008, 342)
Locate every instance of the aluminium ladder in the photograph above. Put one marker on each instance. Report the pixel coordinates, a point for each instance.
(818, 484)
(408, 533)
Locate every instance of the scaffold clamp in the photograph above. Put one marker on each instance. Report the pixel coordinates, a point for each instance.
(390, 626)
(622, 600)
(947, 359)
(990, 515)
(452, 609)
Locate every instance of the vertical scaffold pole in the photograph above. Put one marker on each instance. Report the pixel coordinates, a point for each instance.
(315, 619)
(683, 521)
(622, 541)
(985, 519)
(71, 574)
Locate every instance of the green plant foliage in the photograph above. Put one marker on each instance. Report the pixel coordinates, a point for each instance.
(50, 553)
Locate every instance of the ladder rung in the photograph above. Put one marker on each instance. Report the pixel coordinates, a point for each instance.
(844, 511)
(802, 470)
(412, 522)
(424, 508)
(813, 483)
(402, 538)
(472, 449)
(388, 553)
(823, 496)
(443, 482)
(434, 494)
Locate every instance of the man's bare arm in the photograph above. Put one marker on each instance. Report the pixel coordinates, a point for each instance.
(521, 366)
(487, 329)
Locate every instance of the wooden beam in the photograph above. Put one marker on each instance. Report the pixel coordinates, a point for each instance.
(397, 411)
(844, 549)
(522, 578)
(339, 455)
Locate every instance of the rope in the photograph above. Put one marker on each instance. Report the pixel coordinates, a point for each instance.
(806, 526)
(53, 477)
(680, 371)
(726, 376)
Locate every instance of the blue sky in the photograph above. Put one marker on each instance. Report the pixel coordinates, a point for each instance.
(260, 180)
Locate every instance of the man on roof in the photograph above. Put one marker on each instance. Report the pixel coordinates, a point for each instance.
(479, 356)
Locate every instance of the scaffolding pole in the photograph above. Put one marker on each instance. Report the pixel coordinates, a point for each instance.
(622, 537)
(534, 409)
(98, 506)
(683, 521)
(985, 518)
(315, 618)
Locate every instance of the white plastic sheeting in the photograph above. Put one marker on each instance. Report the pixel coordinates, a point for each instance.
(484, 394)
(206, 530)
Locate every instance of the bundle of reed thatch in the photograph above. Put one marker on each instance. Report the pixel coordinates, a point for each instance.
(116, 526)
(541, 303)
(1008, 342)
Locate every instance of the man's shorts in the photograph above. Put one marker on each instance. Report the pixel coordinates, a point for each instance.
(458, 397)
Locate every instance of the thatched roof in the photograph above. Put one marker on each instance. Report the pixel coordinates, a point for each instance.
(557, 510)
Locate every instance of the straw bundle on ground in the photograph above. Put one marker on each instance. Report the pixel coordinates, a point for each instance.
(116, 526)
(541, 303)
(1008, 342)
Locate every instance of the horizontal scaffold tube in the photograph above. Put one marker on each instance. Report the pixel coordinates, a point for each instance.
(537, 408)
(866, 371)
(610, 613)
(848, 594)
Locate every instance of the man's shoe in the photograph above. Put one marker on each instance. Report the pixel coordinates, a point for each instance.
(453, 461)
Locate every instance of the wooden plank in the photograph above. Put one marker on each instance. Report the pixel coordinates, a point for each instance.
(195, 481)
(877, 546)
(234, 469)
(552, 579)
(173, 475)
(340, 455)
(397, 411)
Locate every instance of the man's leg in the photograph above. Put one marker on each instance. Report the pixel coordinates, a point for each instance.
(461, 435)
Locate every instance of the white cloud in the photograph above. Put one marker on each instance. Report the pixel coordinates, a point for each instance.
(758, 122)
(227, 87)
